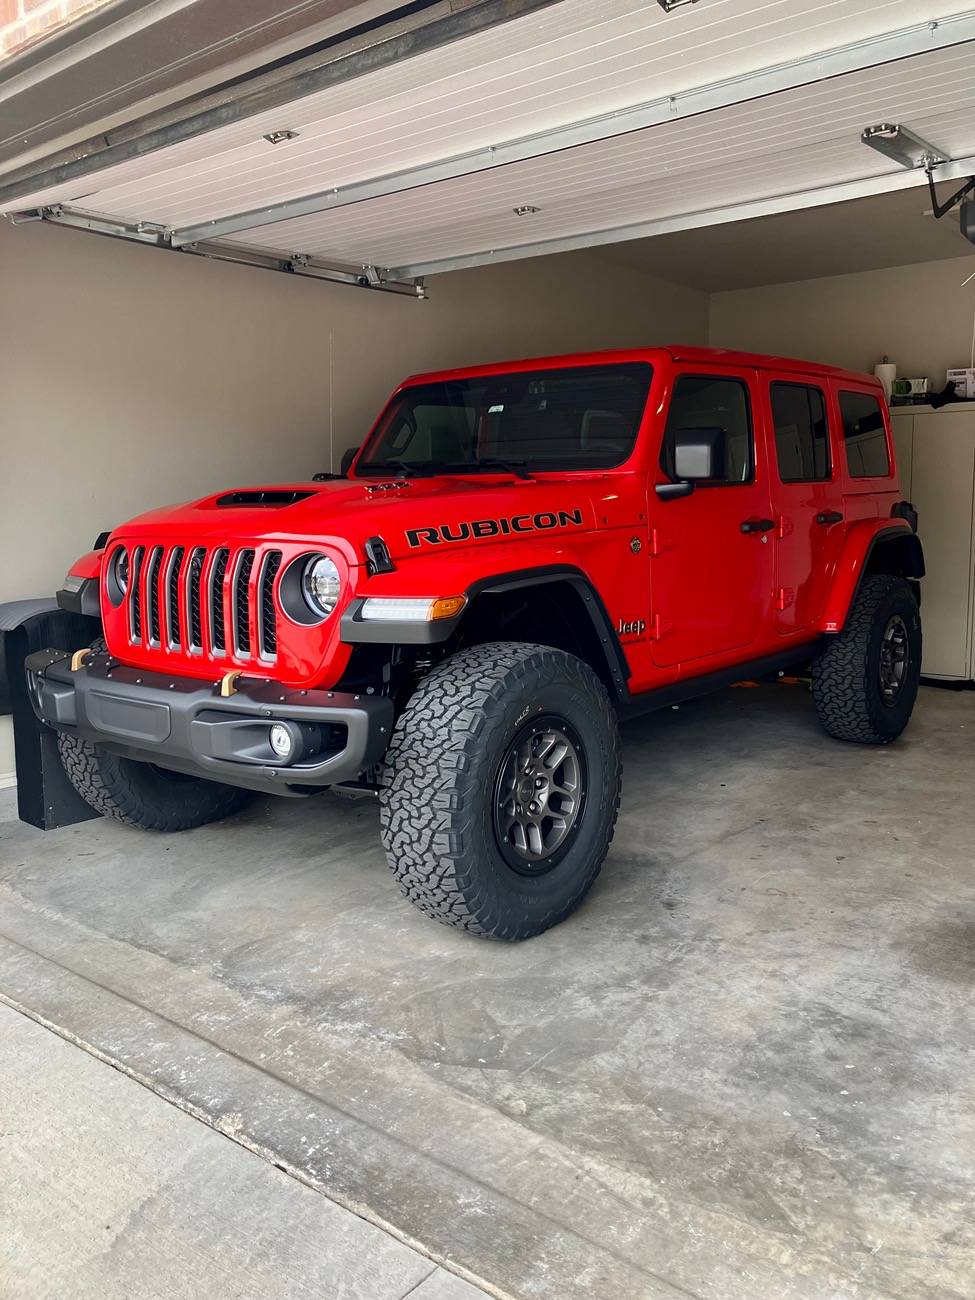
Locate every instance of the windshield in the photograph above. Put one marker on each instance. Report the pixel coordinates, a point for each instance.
(580, 417)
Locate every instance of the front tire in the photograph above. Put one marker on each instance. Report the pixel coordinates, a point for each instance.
(501, 789)
(865, 684)
(142, 795)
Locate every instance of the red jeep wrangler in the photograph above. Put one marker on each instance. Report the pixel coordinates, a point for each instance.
(518, 556)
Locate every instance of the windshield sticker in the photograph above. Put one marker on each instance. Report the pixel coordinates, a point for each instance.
(502, 527)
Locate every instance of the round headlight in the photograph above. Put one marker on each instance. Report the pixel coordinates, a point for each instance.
(120, 565)
(320, 585)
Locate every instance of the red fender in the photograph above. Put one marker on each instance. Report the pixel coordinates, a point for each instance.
(860, 540)
(88, 566)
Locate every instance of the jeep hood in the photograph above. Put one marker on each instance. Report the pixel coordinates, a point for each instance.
(346, 513)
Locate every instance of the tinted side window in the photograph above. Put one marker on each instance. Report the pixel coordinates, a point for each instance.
(801, 433)
(712, 402)
(864, 436)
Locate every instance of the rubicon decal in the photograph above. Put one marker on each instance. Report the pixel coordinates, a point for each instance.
(502, 527)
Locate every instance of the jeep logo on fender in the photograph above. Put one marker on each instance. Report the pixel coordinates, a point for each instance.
(503, 527)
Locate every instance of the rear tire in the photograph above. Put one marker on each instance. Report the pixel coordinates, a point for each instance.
(865, 684)
(142, 795)
(501, 789)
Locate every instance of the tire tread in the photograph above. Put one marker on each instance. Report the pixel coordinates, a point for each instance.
(840, 685)
(428, 791)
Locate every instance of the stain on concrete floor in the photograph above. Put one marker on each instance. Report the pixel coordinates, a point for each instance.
(743, 1071)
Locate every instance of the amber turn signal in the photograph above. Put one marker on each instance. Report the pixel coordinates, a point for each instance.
(446, 607)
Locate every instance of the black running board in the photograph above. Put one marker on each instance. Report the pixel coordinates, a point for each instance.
(689, 688)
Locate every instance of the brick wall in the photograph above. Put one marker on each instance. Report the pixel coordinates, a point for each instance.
(24, 21)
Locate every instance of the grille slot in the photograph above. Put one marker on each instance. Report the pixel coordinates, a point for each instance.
(267, 620)
(173, 569)
(194, 576)
(218, 636)
(152, 586)
(135, 594)
(241, 605)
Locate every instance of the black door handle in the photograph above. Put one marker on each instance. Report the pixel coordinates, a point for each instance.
(828, 517)
(757, 525)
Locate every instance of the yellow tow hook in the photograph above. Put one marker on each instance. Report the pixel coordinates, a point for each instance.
(79, 657)
(228, 682)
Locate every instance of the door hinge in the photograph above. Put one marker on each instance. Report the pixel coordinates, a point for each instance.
(655, 628)
(654, 546)
(784, 597)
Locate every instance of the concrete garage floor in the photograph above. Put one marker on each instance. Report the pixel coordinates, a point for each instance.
(107, 1190)
(743, 1071)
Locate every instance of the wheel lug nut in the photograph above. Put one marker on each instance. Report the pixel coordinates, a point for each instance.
(534, 807)
(539, 782)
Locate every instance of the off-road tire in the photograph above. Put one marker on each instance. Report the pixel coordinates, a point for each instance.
(139, 794)
(438, 788)
(846, 684)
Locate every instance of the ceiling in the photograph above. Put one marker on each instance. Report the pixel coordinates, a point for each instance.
(863, 235)
(131, 56)
(603, 123)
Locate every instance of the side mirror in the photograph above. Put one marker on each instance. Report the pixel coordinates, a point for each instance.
(699, 454)
(346, 462)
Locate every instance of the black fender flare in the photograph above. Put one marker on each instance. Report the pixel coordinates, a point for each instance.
(548, 575)
(910, 544)
(356, 630)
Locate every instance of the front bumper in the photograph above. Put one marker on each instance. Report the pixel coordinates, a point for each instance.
(186, 725)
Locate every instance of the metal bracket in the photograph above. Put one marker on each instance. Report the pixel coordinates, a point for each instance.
(942, 209)
(149, 232)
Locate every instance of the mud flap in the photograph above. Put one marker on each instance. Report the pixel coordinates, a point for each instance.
(45, 796)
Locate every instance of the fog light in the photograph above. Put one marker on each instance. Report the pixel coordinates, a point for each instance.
(282, 740)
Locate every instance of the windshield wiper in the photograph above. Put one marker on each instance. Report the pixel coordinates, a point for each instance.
(427, 468)
(490, 463)
(404, 468)
(516, 467)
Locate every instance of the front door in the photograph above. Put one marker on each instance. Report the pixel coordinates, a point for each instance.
(808, 498)
(712, 551)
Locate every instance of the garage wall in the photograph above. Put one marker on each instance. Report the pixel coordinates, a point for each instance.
(132, 377)
(920, 316)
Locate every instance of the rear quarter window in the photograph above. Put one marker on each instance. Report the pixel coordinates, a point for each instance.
(864, 435)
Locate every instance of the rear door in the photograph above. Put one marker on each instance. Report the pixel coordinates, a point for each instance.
(807, 496)
(712, 551)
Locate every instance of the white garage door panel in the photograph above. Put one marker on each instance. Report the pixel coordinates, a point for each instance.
(794, 141)
(573, 60)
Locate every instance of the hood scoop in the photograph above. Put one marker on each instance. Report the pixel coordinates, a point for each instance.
(270, 497)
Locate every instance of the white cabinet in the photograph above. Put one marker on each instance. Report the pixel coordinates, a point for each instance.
(936, 460)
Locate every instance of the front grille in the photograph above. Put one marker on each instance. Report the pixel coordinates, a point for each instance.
(203, 601)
